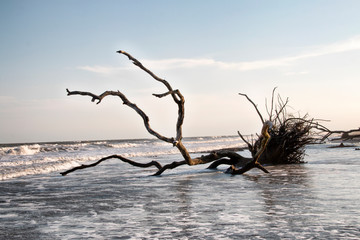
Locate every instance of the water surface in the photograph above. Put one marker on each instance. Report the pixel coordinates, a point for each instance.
(317, 200)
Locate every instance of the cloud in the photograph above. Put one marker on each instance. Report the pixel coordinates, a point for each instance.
(351, 44)
(100, 69)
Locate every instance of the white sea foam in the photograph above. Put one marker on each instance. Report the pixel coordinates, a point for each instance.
(24, 159)
(293, 202)
(124, 145)
(20, 150)
(7, 173)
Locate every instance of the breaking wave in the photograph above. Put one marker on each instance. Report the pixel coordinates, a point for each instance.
(18, 160)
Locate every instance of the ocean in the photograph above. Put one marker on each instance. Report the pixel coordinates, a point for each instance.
(114, 200)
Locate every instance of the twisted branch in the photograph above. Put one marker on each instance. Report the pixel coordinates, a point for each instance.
(133, 163)
(176, 95)
(177, 141)
(125, 102)
(255, 106)
(288, 138)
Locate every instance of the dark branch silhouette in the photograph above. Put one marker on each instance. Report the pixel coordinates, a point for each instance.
(282, 138)
(176, 141)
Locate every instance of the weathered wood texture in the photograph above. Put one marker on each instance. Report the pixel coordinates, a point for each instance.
(223, 157)
(282, 139)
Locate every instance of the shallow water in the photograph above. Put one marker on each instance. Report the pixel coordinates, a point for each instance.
(317, 200)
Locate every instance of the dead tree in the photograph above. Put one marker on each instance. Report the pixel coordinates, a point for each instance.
(281, 141)
(346, 135)
(222, 156)
(289, 134)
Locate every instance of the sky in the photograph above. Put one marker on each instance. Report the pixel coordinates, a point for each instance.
(209, 50)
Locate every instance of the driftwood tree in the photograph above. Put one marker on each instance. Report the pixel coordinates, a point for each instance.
(346, 135)
(282, 139)
(289, 134)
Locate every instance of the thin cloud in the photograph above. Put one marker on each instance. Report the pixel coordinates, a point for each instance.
(100, 69)
(351, 44)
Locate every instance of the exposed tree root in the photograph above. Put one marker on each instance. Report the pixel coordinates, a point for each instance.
(284, 143)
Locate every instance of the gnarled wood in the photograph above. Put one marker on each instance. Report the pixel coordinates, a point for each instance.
(125, 102)
(178, 98)
(288, 137)
(255, 106)
(133, 163)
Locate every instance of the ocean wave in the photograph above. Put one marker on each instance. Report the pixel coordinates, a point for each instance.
(123, 145)
(8, 173)
(33, 149)
(25, 159)
(21, 150)
(12, 168)
(212, 140)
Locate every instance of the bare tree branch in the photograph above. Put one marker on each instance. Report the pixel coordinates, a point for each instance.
(170, 166)
(255, 106)
(176, 95)
(129, 104)
(136, 164)
(282, 106)
(272, 104)
(250, 165)
(287, 141)
(236, 160)
(288, 138)
(247, 143)
(177, 142)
